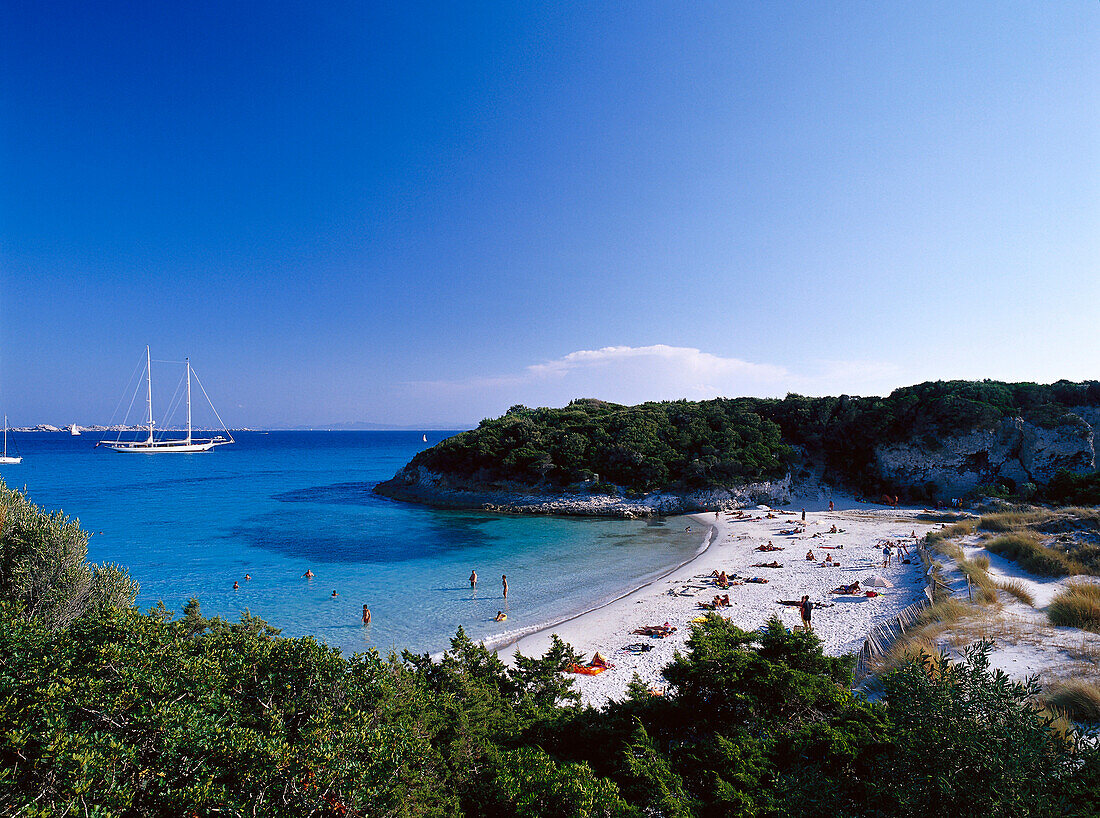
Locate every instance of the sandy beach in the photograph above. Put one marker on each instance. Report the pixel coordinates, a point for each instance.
(842, 622)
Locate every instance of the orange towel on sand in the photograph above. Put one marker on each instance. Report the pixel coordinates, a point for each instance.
(585, 670)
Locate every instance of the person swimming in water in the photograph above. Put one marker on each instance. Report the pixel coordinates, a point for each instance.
(501, 616)
(236, 585)
(335, 594)
(308, 574)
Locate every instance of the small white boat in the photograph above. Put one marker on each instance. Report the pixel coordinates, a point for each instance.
(4, 459)
(424, 438)
(187, 445)
(74, 430)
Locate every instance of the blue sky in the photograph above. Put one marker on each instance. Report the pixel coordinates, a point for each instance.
(406, 214)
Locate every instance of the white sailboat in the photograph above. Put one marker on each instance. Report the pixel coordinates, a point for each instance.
(74, 430)
(424, 438)
(183, 445)
(4, 459)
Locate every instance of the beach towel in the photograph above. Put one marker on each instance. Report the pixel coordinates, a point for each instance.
(585, 670)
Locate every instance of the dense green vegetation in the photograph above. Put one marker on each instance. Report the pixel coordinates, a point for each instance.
(1069, 489)
(730, 441)
(118, 712)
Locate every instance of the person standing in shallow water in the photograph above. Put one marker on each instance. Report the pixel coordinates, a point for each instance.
(473, 580)
(504, 582)
(366, 615)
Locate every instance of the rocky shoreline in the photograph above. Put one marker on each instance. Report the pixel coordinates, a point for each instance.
(420, 485)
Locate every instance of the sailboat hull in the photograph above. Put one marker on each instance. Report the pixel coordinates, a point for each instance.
(166, 446)
(10, 461)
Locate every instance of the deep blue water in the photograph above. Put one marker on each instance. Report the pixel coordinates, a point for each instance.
(275, 504)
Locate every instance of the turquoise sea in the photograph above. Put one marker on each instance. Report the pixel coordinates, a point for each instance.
(278, 503)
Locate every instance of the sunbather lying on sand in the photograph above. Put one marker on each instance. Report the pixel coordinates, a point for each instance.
(768, 547)
(657, 631)
(847, 589)
(717, 602)
(767, 565)
(760, 580)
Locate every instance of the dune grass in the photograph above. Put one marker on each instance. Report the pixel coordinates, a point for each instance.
(950, 532)
(982, 586)
(1076, 606)
(1077, 698)
(1012, 520)
(939, 516)
(1026, 550)
(1019, 590)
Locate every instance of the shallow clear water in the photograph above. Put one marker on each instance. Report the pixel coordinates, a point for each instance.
(276, 504)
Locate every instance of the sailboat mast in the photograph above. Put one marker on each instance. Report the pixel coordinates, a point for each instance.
(149, 390)
(5, 435)
(188, 362)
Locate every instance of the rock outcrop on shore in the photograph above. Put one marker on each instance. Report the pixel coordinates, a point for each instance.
(1015, 452)
(419, 485)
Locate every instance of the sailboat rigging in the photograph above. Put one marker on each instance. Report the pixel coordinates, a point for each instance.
(4, 459)
(183, 445)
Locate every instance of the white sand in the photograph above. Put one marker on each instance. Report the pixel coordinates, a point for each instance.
(842, 626)
(1025, 643)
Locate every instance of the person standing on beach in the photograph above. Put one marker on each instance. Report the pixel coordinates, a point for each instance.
(805, 607)
(366, 615)
(504, 582)
(886, 556)
(830, 505)
(473, 580)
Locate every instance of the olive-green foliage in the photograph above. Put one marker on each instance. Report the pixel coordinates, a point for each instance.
(123, 713)
(969, 741)
(1067, 488)
(44, 565)
(639, 447)
(732, 441)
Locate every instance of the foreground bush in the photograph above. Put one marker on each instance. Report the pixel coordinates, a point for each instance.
(123, 713)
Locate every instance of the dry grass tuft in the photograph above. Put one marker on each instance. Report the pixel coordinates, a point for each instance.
(1076, 698)
(960, 529)
(1026, 549)
(1077, 606)
(907, 650)
(940, 517)
(943, 613)
(1018, 590)
(1012, 520)
(982, 586)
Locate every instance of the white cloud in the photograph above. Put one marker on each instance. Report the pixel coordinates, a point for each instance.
(630, 375)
